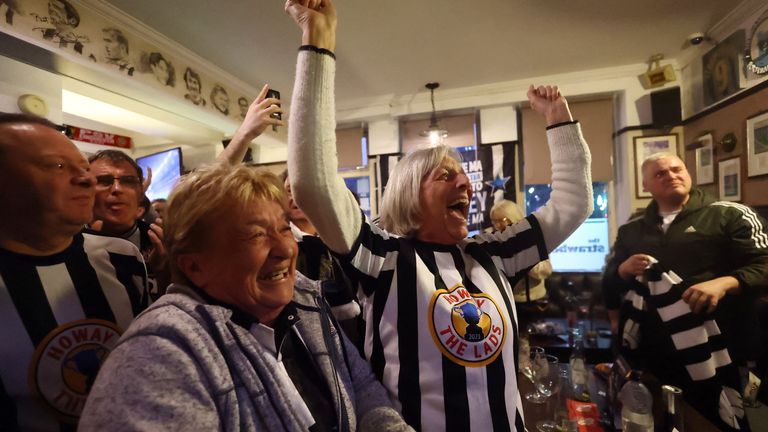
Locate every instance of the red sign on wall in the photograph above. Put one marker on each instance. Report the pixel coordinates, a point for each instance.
(96, 137)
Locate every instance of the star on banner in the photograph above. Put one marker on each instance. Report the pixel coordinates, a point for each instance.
(498, 183)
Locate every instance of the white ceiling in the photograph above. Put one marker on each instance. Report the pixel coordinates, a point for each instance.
(393, 47)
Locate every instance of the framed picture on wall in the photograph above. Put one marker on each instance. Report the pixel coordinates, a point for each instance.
(757, 145)
(722, 67)
(646, 146)
(730, 179)
(704, 162)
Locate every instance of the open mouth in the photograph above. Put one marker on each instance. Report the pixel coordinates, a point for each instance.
(116, 206)
(275, 276)
(459, 208)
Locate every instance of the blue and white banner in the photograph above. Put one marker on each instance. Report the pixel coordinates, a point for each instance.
(491, 170)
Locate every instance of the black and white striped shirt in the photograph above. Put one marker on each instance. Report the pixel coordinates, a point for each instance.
(441, 326)
(61, 315)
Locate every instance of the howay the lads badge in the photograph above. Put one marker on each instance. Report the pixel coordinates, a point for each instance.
(469, 329)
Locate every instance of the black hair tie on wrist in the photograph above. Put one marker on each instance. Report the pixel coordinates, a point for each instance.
(317, 50)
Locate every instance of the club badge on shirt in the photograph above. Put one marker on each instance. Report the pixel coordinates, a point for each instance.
(469, 329)
(64, 365)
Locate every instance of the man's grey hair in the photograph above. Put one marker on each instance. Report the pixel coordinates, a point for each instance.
(401, 204)
(656, 157)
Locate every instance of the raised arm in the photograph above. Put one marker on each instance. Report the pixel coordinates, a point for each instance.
(312, 163)
(258, 117)
(570, 202)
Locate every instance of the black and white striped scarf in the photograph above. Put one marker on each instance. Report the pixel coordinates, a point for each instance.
(700, 347)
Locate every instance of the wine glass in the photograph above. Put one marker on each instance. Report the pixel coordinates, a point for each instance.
(549, 384)
(547, 378)
(543, 367)
(527, 358)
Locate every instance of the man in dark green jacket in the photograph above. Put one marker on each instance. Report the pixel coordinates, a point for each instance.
(719, 249)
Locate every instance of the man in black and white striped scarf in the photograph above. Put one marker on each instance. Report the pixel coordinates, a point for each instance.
(703, 366)
(695, 333)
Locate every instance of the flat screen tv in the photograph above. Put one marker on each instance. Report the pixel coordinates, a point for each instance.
(166, 170)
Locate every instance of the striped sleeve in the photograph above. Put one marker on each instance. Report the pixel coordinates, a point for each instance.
(749, 245)
(118, 262)
(373, 254)
(518, 248)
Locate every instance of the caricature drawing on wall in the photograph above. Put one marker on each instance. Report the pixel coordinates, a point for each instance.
(14, 7)
(220, 99)
(116, 50)
(64, 18)
(161, 68)
(243, 104)
(194, 87)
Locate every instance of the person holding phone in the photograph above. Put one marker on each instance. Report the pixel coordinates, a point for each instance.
(264, 111)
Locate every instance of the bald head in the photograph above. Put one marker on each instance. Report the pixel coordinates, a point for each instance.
(667, 179)
(8, 137)
(45, 184)
(656, 157)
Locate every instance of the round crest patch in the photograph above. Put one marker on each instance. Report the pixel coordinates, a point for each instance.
(468, 328)
(65, 364)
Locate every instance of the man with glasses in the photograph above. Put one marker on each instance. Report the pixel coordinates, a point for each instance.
(65, 296)
(117, 211)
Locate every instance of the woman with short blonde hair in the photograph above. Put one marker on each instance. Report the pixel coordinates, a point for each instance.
(241, 341)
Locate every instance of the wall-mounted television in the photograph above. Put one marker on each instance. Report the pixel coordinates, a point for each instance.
(361, 187)
(166, 170)
(585, 249)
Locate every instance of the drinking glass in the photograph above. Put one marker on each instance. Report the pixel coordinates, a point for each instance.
(555, 381)
(545, 378)
(527, 359)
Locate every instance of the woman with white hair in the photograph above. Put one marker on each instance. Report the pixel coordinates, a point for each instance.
(441, 331)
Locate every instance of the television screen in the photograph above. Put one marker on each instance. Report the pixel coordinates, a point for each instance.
(361, 187)
(586, 248)
(166, 170)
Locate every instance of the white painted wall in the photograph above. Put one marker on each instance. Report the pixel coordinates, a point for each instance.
(498, 124)
(17, 78)
(383, 136)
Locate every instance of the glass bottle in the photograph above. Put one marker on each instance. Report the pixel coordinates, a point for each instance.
(578, 369)
(637, 405)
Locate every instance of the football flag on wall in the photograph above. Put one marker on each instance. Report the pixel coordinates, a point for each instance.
(491, 170)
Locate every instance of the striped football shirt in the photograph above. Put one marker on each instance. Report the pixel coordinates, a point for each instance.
(61, 315)
(441, 327)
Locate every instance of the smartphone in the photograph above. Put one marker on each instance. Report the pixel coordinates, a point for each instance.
(274, 94)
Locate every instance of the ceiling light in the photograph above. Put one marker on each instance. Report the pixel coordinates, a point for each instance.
(435, 134)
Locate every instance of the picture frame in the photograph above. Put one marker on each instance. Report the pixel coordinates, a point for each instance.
(729, 179)
(757, 54)
(705, 164)
(645, 146)
(722, 68)
(757, 145)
